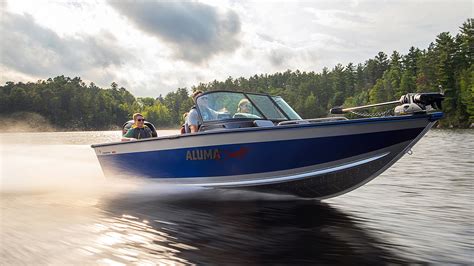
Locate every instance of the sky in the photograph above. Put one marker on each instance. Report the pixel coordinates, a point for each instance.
(154, 47)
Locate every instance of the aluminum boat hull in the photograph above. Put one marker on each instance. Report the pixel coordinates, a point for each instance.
(320, 160)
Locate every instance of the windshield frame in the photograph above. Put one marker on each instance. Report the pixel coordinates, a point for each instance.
(291, 113)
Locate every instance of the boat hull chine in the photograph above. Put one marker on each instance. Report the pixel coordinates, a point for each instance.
(326, 185)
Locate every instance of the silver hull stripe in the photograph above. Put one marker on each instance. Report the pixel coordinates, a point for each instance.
(291, 177)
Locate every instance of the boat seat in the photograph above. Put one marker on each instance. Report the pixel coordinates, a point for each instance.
(263, 123)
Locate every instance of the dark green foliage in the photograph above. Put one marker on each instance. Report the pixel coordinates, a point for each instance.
(71, 104)
(446, 63)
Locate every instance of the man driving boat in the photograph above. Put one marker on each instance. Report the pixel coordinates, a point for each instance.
(192, 120)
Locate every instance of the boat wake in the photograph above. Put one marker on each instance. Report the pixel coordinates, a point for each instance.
(149, 192)
(74, 170)
(54, 168)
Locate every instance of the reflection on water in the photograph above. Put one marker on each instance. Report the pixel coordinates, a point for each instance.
(190, 229)
(56, 208)
(249, 231)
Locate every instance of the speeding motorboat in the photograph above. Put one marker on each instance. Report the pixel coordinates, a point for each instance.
(267, 147)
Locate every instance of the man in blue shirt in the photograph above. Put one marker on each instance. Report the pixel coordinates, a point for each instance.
(192, 120)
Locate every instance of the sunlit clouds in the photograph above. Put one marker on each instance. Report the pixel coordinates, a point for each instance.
(153, 47)
(193, 30)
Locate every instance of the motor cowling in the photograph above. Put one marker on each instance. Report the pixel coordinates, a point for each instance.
(408, 108)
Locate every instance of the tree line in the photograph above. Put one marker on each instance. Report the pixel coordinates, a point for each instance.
(69, 103)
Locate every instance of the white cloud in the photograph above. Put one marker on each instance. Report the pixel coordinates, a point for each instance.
(34, 50)
(195, 31)
(271, 36)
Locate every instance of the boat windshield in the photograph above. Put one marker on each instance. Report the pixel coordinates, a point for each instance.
(287, 108)
(221, 105)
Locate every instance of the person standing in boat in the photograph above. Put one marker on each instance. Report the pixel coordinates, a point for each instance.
(138, 130)
(192, 120)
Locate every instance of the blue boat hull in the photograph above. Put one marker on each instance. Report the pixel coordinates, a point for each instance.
(315, 161)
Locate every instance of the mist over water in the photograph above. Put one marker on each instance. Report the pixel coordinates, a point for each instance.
(57, 208)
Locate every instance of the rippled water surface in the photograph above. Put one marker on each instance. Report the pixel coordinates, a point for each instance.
(57, 208)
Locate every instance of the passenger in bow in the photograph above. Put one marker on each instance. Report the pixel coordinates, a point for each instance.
(138, 130)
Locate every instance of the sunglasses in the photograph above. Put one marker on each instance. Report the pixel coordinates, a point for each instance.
(140, 120)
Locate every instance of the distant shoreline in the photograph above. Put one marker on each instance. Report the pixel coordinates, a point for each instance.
(36, 129)
(57, 130)
(32, 122)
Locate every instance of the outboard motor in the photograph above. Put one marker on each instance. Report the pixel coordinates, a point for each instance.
(413, 103)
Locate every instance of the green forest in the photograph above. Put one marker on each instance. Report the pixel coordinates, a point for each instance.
(71, 104)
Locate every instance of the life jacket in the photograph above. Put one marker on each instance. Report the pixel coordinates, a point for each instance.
(141, 133)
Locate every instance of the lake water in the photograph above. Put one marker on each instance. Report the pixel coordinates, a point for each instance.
(56, 208)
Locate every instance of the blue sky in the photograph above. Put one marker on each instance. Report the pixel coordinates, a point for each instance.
(153, 47)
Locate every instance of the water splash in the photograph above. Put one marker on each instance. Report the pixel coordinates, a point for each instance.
(41, 162)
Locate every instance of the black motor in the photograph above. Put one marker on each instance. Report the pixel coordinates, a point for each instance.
(413, 103)
(433, 99)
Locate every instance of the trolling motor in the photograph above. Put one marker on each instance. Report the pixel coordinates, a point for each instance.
(411, 103)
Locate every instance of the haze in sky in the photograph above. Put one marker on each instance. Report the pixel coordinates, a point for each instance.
(154, 47)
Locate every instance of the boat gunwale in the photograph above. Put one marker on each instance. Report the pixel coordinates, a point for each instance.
(432, 116)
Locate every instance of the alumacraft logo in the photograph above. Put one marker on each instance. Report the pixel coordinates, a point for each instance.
(211, 154)
(214, 154)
